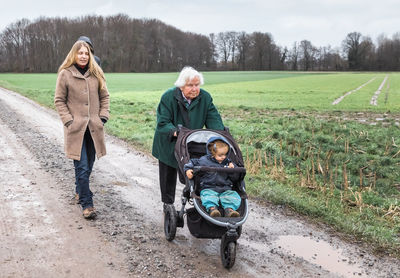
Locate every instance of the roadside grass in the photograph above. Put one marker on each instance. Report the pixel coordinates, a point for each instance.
(36, 86)
(299, 150)
(391, 91)
(343, 172)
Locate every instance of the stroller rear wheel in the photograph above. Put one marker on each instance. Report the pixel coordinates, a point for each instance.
(228, 252)
(170, 219)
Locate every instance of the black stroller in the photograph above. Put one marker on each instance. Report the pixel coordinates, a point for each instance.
(192, 144)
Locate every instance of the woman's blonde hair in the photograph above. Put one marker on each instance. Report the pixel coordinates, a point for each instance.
(93, 67)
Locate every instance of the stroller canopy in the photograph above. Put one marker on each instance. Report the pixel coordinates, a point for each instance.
(192, 143)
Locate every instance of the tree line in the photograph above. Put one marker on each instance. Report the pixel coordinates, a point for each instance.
(125, 44)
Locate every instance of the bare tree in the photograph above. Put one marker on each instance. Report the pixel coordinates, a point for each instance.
(388, 53)
(124, 44)
(284, 55)
(15, 41)
(232, 42)
(368, 57)
(243, 46)
(148, 45)
(213, 50)
(307, 51)
(351, 46)
(260, 51)
(294, 57)
(223, 47)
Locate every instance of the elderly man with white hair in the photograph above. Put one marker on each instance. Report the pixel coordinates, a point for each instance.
(187, 105)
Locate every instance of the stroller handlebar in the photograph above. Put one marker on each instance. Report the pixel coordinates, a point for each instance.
(197, 169)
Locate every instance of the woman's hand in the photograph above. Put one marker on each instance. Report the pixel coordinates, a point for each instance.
(189, 174)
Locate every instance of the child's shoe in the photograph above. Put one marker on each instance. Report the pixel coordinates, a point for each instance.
(214, 212)
(231, 213)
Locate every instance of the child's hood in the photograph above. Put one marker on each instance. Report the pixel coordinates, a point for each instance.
(215, 138)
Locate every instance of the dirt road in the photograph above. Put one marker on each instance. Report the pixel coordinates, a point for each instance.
(43, 234)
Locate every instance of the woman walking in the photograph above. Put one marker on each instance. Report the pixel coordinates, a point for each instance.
(82, 101)
(187, 105)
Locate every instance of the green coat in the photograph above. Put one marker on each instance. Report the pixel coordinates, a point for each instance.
(201, 112)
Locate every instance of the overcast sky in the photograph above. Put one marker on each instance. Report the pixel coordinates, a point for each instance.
(323, 22)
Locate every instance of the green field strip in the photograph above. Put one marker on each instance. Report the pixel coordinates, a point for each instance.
(338, 100)
(270, 90)
(162, 81)
(392, 93)
(297, 92)
(374, 99)
(360, 100)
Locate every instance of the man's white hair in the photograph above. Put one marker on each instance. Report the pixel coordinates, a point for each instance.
(187, 74)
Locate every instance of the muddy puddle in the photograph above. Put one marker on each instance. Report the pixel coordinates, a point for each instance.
(319, 252)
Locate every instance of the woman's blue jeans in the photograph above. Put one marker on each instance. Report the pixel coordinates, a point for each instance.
(83, 169)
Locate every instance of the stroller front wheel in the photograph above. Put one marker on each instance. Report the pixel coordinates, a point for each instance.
(170, 220)
(228, 252)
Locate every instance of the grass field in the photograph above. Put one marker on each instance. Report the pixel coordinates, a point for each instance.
(337, 163)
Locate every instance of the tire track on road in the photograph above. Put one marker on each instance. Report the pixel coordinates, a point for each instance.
(5, 225)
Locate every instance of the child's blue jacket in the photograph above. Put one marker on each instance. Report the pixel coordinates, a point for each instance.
(218, 182)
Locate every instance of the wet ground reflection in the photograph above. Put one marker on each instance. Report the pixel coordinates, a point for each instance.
(320, 253)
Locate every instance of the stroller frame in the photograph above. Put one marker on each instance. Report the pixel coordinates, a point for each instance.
(205, 226)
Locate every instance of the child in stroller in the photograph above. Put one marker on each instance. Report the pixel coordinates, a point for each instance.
(191, 144)
(216, 187)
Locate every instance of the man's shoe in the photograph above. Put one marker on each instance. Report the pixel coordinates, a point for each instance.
(77, 198)
(231, 213)
(89, 213)
(214, 212)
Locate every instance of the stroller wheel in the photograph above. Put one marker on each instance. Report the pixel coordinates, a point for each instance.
(228, 252)
(170, 218)
(239, 231)
(179, 219)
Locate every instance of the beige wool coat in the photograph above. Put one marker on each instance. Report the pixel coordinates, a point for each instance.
(78, 99)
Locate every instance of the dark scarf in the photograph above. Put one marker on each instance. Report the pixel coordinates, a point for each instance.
(82, 70)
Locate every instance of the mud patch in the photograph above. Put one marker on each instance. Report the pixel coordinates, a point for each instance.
(319, 252)
(119, 183)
